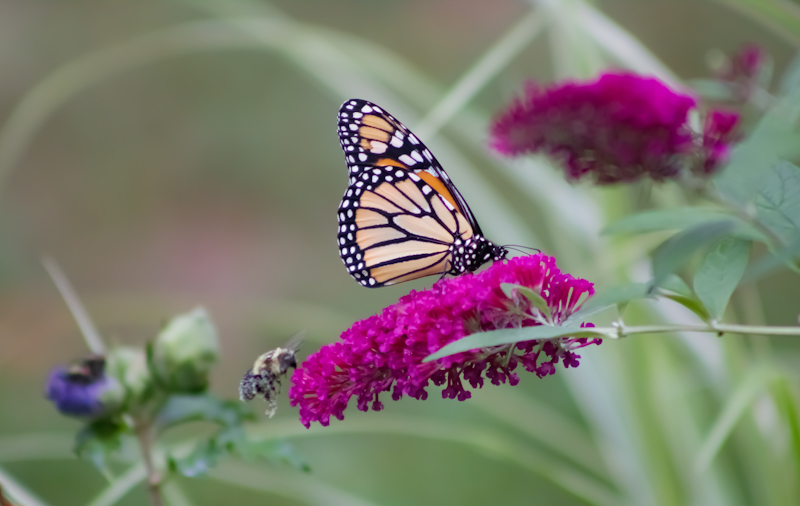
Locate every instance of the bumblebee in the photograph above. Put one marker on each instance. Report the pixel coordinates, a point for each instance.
(264, 379)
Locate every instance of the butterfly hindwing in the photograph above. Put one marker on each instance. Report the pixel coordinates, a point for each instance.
(401, 218)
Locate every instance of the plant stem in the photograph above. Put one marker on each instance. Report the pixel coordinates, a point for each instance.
(145, 437)
(619, 330)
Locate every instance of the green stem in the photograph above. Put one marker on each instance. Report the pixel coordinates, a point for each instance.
(619, 331)
(145, 436)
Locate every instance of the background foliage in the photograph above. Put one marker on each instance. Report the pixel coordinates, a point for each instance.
(175, 153)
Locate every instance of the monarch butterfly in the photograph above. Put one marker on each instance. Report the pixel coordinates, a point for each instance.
(401, 218)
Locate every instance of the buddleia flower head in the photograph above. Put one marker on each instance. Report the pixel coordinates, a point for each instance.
(385, 352)
(620, 127)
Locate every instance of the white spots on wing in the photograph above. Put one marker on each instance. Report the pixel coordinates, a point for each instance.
(427, 154)
(426, 190)
(357, 115)
(396, 142)
(375, 179)
(353, 126)
(413, 139)
(413, 177)
(362, 156)
(407, 160)
(378, 147)
(416, 156)
(399, 174)
(366, 109)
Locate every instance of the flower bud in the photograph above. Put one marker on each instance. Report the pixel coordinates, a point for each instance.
(84, 390)
(128, 365)
(185, 350)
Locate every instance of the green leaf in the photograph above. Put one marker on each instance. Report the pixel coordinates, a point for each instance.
(735, 407)
(664, 219)
(98, 441)
(690, 303)
(720, 273)
(199, 461)
(767, 264)
(787, 404)
(535, 299)
(791, 77)
(206, 407)
(712, 89)
(277, 451)
(607, 298)
(233, 441)
(778, 202)
(508, 336)
(675, 283)
(774, 138)
(673, 253)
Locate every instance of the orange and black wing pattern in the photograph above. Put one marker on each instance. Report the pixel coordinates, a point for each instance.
(401, 218)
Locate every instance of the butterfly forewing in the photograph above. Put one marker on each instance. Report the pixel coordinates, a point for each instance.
(400, 218)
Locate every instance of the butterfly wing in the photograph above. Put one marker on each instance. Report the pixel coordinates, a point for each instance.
(371, 136)
(401, 218)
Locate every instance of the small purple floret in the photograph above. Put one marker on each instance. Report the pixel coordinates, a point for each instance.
(78, 390)
(384, 353)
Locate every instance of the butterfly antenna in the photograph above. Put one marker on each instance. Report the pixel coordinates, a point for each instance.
(521, 249)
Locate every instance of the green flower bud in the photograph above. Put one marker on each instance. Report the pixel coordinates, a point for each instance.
(185, 350)
(129, 366)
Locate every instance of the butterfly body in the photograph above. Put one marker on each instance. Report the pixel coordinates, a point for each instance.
(401, 217)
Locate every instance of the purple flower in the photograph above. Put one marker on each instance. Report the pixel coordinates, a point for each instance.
(718, 135)
(744, 70)
(617, 128)
(84, 390)
(385, 351)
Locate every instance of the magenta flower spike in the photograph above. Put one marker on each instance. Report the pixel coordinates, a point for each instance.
(385, 351)
(618, 128)
(719, 133)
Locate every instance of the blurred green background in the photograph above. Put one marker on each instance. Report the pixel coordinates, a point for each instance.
(193, 160)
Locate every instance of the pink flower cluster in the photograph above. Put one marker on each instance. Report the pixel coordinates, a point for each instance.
(385, 351)
(719, 133)
(618, 128)
(744, 71)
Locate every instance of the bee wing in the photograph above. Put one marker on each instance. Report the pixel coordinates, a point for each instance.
(296, 340)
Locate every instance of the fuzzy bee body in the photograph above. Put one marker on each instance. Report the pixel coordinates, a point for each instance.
(264, 379)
